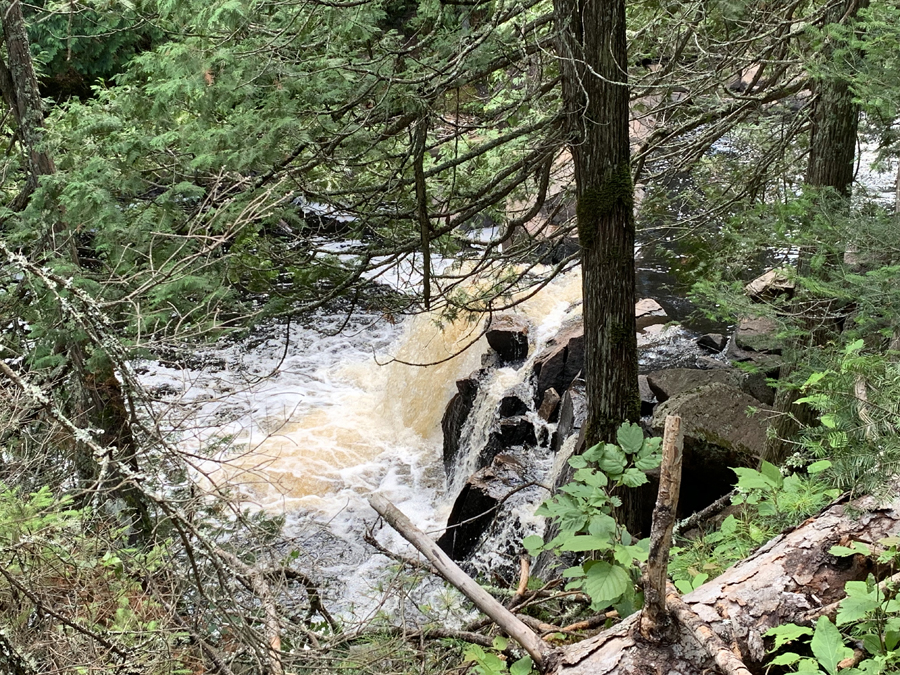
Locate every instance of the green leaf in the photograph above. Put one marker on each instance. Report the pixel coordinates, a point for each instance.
(585, 542)
(630, 437)
(818, 467)
(786, 633)
(854, 549)
(613, 460)
(773, 473)
(577, 462)
(634, 477)
(828, 645)
(859, 602)
(729, 525)
(605, 583)
(684, 586)
(786, 659)
(500, 643)
(521, 667)
(648, 462)
(533, 544)
(750, 479)
(829, 421)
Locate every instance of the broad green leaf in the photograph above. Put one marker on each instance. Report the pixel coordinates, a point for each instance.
(577, 462)
(500, 643)
(786, 659)
(648, 462)
(827, 645)
(585, 542)
(773, 473)
(533, 544)
(684, 586)
(787, 633)
(613, 460)
(634, 477)
(630, 437)
(750, 479)
(602, 525)
(818, 467)
(815, 378)
(729, 525)
(605, 583)
(829, 421)
(521, 667)
(854, 548)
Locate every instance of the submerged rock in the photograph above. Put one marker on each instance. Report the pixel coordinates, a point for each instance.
(508, 335)
(476, 507)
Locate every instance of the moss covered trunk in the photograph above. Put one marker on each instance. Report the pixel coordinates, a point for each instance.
(593, 61)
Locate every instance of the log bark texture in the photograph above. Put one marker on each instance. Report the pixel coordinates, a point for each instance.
(786, 580)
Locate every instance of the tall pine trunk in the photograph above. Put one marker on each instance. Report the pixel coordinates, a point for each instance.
(593, 57)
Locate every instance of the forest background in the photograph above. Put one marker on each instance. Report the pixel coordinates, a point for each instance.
(180, 171)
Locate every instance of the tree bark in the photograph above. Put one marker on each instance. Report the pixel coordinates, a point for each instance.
(593, 62)
(792, 578)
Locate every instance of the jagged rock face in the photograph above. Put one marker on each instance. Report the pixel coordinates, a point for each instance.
(549, 405)
(648, 397)
(508, 335)
(648, 312)
(506, 434)
(572, 414)
(512, 406)
(458, 410)
(475, 508)
(561, 361)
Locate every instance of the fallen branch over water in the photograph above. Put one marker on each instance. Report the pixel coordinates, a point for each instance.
(541, 653)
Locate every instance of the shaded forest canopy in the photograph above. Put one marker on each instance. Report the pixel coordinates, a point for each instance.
(178, 173)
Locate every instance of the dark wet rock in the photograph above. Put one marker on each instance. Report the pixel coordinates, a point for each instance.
(757, 334)
(512, 406)
(507, 433)
(769, 286)
(476, 506)
(561, 361)
(508, 335)
(668, 383)
(648, 398)
(756, 384)
(648, 312)
(713, 342)
(716, 414)
(549, 405)
(455, 416)
(572, 414)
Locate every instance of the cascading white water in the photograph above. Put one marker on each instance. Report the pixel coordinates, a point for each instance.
(312, 435)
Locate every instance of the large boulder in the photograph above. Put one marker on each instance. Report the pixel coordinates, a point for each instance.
(508, 335)
(561, 360)
(572, 414)
(716, 414)
(769, 286)
(673, 381)
(718, 435)
(476, 506)
(455, 415)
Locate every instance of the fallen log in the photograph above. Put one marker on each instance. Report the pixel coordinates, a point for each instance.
(784, 581)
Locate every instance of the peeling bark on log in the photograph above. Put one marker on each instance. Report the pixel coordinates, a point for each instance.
(785, 580)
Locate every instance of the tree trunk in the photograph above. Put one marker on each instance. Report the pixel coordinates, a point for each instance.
(790, 579)
(593, 63)
(834, 123)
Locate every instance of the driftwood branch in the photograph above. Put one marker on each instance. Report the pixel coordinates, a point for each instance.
(542, 654)
(654, 619)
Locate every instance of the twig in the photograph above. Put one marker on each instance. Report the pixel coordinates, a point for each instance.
(705, 514)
